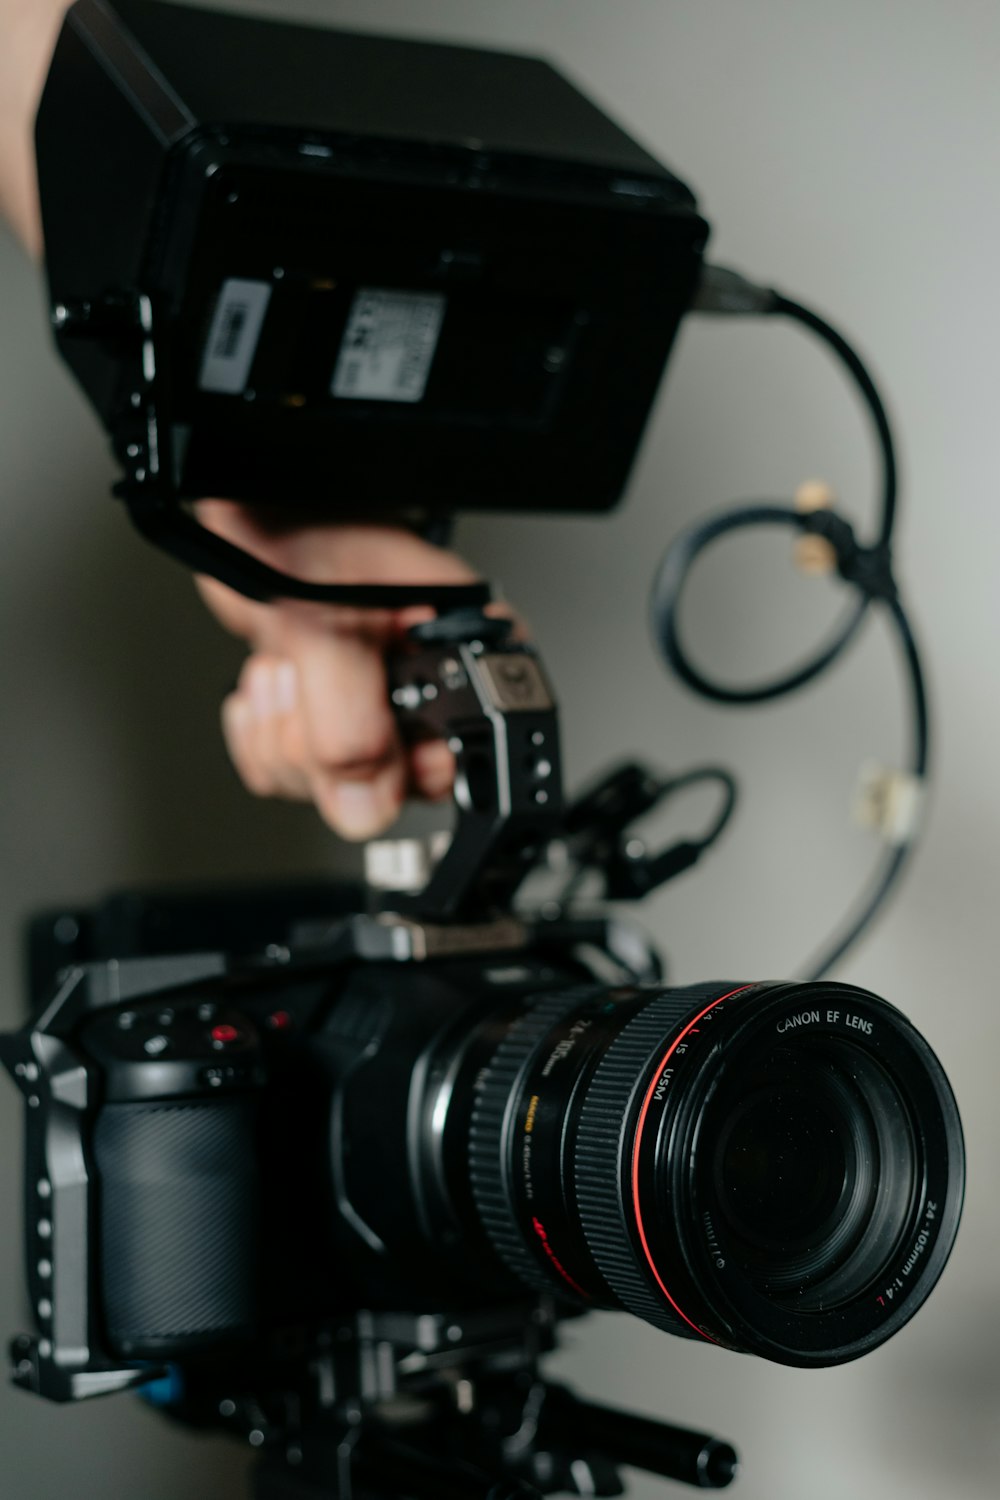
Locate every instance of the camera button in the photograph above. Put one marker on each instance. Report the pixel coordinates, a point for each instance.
(156, 1044)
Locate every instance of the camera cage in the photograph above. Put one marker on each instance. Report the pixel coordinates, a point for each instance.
(366, 1404)
(319, 1417)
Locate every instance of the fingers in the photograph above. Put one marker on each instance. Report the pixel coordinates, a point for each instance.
(355, 761)
(311, 717)
(286, 739)
(261, 725)
(432, 770)
(269, 742)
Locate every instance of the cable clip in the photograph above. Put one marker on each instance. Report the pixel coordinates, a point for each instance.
(890, 802)
(868, 568)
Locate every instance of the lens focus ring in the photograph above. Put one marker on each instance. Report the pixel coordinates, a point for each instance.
(489, 1132)
(604, 1168)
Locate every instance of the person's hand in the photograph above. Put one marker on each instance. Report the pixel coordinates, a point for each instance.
(310, 718)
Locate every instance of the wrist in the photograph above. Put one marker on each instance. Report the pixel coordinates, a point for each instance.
(30, 29)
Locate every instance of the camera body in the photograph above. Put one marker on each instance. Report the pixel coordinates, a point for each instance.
(247, 1193)
(329, 1167)
(322, 1194)
(473, 1108)
(252, 1146)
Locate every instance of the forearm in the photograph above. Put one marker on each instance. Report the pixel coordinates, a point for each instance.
(28, 31)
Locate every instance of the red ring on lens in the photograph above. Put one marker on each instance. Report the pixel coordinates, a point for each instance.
(637, 1146)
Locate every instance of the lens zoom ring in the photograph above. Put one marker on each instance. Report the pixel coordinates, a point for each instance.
(602, 1177)
(487, 1136)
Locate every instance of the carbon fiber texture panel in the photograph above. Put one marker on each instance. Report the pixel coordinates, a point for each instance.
(178, 1220)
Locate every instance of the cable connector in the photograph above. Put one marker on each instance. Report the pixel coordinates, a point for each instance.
(868, 568)
(598, 826)
(890, 802)
(724, 291)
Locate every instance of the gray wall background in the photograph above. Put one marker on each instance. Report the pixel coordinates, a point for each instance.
(849, 154)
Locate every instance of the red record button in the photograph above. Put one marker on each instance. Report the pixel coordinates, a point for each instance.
(224, 1033)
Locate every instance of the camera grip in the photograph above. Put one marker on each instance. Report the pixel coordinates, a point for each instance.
(178, 1223)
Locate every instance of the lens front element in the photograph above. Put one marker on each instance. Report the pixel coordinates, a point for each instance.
(813, 1169)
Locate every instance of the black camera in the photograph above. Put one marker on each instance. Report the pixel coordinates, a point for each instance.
(389, 1150)
(328, 1166)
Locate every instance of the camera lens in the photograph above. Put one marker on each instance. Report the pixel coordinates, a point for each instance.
(776, 1168)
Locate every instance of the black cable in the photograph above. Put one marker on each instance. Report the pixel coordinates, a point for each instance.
(628, 876)
(855, 366)
(668, 585)
(702, 776)
(598, 826)
(680, 556)
(892, 866)
(867, 568)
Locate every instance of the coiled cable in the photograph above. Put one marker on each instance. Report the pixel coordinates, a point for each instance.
(866, 569)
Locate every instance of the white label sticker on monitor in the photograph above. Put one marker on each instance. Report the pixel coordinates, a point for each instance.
(234, 335)
(388, 345)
